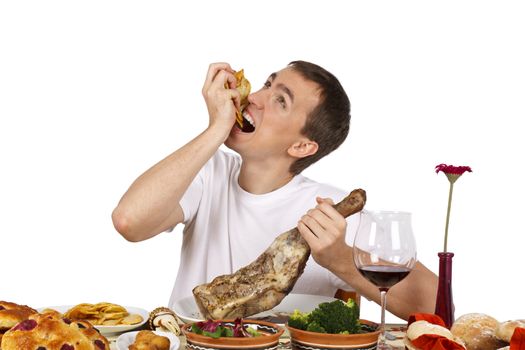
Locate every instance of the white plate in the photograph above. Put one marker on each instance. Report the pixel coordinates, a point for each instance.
(188, 311)
(126, 339)
(105, 330)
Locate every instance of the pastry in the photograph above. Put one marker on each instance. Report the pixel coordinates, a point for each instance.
(50, 331)
(505, 329)
(147, 340)
(477, 331)
(11, 314)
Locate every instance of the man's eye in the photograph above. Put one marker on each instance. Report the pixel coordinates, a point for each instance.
(267, 84)
(281, 101)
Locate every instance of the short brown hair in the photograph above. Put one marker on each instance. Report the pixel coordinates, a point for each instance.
(328, 123)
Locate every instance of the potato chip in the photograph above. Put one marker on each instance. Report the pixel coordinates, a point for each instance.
(110, 322)
(107, 314)
(244, 87)
(131, 319)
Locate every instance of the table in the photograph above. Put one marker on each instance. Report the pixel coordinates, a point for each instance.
(397, 331)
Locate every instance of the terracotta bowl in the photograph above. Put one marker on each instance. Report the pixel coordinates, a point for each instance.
(304, 340)
(268, 341)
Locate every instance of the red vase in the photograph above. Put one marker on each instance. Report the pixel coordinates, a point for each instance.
(444, 303)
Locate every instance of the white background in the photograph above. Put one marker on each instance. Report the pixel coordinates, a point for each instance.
(92, 93)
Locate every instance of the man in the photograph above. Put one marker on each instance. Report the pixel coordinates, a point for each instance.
(233, 207)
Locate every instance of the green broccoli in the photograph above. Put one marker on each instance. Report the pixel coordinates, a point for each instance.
(352, 304)
(298, 320)
(336, 316)
(315, 327)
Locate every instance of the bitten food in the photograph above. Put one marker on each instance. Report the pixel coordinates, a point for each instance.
(164, 319)
(244, 87)
(50, 331)
(147, 340)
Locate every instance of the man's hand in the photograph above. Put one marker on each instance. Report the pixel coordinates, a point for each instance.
(324, 230)
(222, 102)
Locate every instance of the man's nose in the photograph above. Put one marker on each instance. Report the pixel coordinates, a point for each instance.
(257, 98)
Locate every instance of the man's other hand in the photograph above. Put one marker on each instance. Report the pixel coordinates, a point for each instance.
(324, 230)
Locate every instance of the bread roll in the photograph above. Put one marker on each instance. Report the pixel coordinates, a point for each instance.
(477, 331)
(505, 329)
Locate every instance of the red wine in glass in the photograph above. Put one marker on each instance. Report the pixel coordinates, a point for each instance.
(384, 253)
(384, 276)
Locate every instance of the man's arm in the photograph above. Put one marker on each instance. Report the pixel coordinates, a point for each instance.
(324, 229)
(151, 204)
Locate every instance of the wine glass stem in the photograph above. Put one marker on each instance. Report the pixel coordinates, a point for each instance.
(382, 340)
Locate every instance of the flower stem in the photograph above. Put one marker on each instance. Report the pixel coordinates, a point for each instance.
(448, 213)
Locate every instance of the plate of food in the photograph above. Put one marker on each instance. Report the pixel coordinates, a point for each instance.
(232, 334)
(187, 310)
(108, 318)
(140, 339)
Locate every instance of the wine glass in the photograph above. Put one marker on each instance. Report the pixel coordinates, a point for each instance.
(384, 253)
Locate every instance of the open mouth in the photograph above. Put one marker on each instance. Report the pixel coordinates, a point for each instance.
(248, 125)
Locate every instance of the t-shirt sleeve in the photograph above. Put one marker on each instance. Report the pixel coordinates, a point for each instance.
(191, 199)
(205, 184)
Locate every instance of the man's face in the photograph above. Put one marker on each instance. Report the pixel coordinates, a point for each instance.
(278, 110)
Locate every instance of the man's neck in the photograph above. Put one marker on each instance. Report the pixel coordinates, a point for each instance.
(260, 178)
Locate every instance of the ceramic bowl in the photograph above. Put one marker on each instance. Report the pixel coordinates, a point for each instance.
(268, 341)
(304, 340)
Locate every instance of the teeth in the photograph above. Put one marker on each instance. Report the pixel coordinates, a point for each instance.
(248, 118)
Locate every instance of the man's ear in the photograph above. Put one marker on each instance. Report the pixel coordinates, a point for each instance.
(303, 148)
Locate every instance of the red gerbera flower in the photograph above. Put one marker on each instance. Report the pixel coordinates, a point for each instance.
(453, 173)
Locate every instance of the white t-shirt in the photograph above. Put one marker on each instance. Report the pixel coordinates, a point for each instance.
(227, 228)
